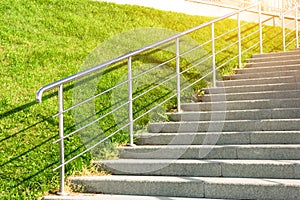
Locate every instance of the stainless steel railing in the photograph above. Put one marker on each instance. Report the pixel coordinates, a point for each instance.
(292, 25)
(274, 6)
(237, 36)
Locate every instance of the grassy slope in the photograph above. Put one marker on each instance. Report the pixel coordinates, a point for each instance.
(42, 41)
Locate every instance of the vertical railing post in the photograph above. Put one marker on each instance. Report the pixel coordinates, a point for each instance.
(213, 53)
(260, 28)
(61, 142)
(239, 41)
(296, 24)
(283, 32)
(178, 74)
(130, 107)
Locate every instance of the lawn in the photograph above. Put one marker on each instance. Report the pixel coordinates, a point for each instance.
(42, 41)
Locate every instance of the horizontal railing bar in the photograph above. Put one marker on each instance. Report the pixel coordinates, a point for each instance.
(227, 47)
(130, 54)
(156, 106)
(195, 48)
(251, 47)
(157, 66)
(202, 78)
(225, 63)
(249, 35)
(92, 122)
(90, 148)
(268, 19)
(202, 61)
(289, 33)
(289, 10)
(289, 43)
(156, 86)
(91, 98)
(289, 23)
(230, 31)
(243, 25)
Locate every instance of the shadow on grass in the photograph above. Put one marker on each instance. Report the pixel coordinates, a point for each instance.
(26, 164)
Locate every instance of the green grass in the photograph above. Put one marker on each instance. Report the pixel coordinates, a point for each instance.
(45, 40)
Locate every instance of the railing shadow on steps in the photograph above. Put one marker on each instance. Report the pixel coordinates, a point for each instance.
(241, 41)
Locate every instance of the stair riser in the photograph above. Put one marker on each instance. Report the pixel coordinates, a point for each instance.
(214, 152)
(264, 137)
(251, 96)
(238, 115)
(195, 187)
(276, 54)
(204, 169)
(244, 191)
(253, 88)
(118, 197)
(226, 126)
(274, 58)
(262, 75)
(273, 80)
(242, 105)
(149, 188)
(273, 63)
(254, 70)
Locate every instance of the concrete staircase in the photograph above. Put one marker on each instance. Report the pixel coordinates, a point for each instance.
(241, 142)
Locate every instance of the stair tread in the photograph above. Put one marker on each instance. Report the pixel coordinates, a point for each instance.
(256, 86)
(259, 92)
(274, 146)
(219, 133)
(203, 161)
(240, 101)
(265, 74)
(224, 121)
(259, 78)
(274, 57)
(277, 54)
(275, 62)
(210, 180)
(87, 196)
(246, 68)
(234, 111)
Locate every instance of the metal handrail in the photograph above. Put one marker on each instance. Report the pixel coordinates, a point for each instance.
(237, 4)
(128, 57)
(84, 73)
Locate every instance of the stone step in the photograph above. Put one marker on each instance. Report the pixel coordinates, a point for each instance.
(276, 113)
(242, 105)
(93, 196)
(262, 69)
(259, 81)
(293, 56)
(262, 75)
(289, 169)
(251, 95)
(276, 54)
(253, 88)
(282, 63)
(226, 126)
(197, 187)
(238, 151)
(220, 138)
